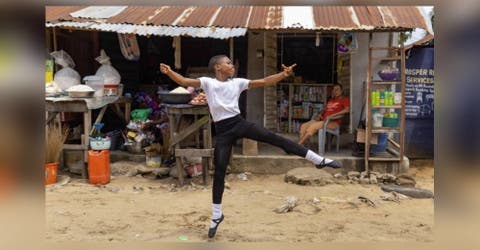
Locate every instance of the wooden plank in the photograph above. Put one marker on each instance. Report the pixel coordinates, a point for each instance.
(99, 118)
(386, 130)
(179, 164)
(384, 159)
(385, 48)
(393, 152)
(74, 146)
(71, 106)
(194, 152)
(394, 58)
(128, 107)
(386, 82)
(387, 106)
(51, 115)
(189, 130)
(393, 142)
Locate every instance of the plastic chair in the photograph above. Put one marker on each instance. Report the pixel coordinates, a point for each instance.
(322, 134)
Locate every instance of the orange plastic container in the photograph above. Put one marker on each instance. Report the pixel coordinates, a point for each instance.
(99, 166)
(51, 173)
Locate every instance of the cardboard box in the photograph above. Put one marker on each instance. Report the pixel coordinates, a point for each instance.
(361, 136)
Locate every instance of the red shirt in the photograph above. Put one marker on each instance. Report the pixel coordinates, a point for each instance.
(336, 105)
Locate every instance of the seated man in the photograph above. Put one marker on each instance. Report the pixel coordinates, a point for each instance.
(337, 105)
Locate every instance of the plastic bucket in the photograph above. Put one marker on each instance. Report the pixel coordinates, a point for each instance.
(99, 166)
(154, 161)
(51, 173)
(96, 82)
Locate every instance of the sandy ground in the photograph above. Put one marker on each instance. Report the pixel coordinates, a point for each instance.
(141, 209)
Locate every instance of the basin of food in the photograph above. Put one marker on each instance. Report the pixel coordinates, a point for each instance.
(80, 91)
(177, 96)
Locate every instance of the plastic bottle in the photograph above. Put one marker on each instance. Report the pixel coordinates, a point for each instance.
(382, 98)
(376, 98)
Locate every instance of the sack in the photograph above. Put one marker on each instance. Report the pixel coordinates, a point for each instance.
(107, 71)
(67, 76)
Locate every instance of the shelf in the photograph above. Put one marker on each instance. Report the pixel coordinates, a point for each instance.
(299, 103)
(386, 82)
(384, 158)
(385, 130)
(387, 107)
(394, 58)
(385, 48)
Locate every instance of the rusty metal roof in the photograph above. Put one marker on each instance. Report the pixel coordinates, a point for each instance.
(351, 18)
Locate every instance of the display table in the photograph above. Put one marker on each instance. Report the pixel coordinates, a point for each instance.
(202, 122)
(56, 105)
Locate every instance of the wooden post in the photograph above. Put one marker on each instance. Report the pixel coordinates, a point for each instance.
(87, 123)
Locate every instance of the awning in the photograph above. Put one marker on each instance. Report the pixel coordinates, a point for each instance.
(232, 21)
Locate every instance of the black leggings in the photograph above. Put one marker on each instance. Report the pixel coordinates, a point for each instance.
(231, 129)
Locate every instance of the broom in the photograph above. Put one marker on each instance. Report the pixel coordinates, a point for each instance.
(55, 138)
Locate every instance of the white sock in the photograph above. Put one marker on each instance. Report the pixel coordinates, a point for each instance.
(315, 158)
(216, 213)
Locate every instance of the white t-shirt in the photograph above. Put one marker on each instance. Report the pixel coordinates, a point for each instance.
(222, 97)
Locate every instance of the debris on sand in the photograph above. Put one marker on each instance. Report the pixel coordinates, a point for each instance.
(394, 196)
(290, 203)
(413, 192)
(367, 201)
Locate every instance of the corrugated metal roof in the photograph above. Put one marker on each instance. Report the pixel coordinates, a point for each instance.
(98, 12)
(207, 20)
(54, 13)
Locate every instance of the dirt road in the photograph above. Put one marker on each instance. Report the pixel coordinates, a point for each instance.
(141, 209)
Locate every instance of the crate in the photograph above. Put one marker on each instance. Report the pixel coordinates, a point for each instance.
(390, 122)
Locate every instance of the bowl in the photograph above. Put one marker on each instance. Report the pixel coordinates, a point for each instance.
(81, 94)
(100, 143)
(173, 98)
(388, 75)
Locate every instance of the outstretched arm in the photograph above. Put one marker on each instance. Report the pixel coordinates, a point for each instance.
(272, 79)
(184, 81)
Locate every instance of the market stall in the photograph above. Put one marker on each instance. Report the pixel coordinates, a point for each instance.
(55, 105)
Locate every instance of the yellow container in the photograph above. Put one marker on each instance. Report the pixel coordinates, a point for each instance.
(48, 76)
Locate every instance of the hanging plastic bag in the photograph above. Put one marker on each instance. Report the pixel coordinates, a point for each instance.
(67, 76)
(129, 46)
(107, 71)
(347, 43)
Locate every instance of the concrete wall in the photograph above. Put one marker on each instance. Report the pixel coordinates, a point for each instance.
(359, 68)
(255, 103)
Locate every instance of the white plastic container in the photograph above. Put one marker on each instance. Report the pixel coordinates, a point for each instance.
(377, 119)
(96, 83)
(397, 98)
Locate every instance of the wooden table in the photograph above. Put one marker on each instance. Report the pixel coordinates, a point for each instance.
(53, 108)
(204, 123)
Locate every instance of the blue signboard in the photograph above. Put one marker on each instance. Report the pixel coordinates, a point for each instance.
(419, 75)
(419, 139)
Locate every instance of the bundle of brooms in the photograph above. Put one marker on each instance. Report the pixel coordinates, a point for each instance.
(55, 137)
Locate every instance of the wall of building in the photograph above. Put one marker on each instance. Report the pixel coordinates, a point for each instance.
(255, 103)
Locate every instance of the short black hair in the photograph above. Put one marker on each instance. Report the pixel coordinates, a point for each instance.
(214, 61)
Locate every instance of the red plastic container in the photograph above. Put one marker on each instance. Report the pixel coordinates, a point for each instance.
(51, 173)
(99, 166)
